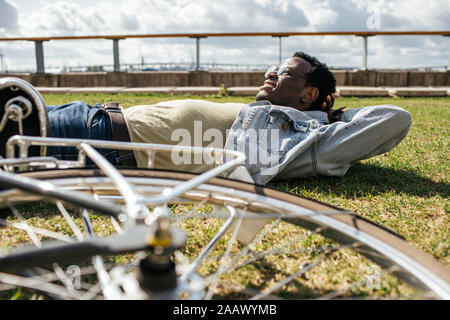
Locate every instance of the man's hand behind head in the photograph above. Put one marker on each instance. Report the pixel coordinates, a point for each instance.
(328, 104)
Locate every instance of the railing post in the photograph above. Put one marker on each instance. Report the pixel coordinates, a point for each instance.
(197, 51)
(116, 55)
(279, 46)
(197, 65)
(39, 51)
(448, 62)
(364, 56)
(2, 64)
(365, 50)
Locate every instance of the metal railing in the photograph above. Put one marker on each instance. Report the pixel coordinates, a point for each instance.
(39, 48)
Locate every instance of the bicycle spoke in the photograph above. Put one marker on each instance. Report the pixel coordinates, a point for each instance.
(40, 231)
(37, 284)
(27, 228)
(226, 254)
(87, 223)
(70, 221)
(44, 276)
(276, 250)
(246, 291)
(209, 247)
(267, 229)
(53, 277)
(104, 279)
(116, 225)
(360, 283)
(113, 220)
(304, 268)
(83, 271)
(192, 213)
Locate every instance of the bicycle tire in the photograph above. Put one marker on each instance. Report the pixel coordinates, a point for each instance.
(341, 226)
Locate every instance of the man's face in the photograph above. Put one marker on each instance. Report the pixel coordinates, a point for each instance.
(287, 89)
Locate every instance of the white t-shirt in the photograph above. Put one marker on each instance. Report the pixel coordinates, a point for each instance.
(189, 122)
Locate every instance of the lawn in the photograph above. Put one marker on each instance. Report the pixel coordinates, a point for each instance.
(406, 190)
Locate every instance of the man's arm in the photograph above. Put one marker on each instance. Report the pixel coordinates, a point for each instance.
(360, 133)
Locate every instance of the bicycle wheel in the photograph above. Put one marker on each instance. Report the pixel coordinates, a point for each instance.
(243, 242)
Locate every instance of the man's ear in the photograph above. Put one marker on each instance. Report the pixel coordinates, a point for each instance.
(310, 95)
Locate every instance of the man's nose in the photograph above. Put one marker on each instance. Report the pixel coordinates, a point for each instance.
(273, 76)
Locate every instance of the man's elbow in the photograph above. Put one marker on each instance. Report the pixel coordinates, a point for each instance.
(399, 118)
(396, 127)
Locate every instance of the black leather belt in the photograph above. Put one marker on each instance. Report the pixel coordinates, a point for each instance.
(119, 132)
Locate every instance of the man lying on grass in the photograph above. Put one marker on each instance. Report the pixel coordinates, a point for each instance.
(291, 131)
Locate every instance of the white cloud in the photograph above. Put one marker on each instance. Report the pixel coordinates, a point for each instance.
(425, 15)
(8, 15)
(104, 17)
(129, 22)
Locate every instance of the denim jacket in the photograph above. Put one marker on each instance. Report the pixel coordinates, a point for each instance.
(287, 143)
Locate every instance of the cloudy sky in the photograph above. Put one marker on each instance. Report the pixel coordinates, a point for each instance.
(34, 18)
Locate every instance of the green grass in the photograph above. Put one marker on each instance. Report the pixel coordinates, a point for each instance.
(405, 190)
(132, 99)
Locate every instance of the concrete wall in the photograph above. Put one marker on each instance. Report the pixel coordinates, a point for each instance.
(229, 79)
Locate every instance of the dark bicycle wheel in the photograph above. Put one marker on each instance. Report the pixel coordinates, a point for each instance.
(244, 241)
